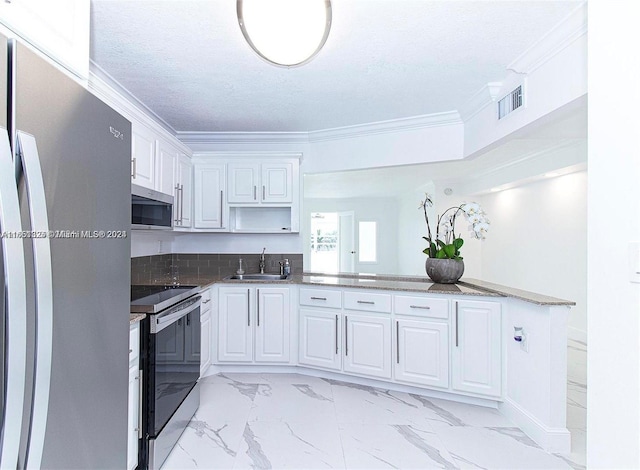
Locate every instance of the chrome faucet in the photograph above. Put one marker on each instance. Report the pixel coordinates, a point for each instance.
(262, 262)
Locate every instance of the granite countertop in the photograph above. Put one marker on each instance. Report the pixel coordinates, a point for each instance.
(136, 317)
(472, 287)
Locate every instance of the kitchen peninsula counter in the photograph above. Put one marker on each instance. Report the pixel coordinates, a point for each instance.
(470, 287)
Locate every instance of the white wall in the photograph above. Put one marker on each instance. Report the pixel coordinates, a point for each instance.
(613, 396)
(400, 147)
(553, 72)
(538, 241)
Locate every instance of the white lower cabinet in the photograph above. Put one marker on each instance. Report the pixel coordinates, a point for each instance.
(254, 324)
(133, 414)
(367, 345)
(422, 352)
(476, 362)
(205, 331)
(272, 325)
(319, 340)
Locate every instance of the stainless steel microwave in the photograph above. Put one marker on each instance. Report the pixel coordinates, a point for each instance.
(150, 209)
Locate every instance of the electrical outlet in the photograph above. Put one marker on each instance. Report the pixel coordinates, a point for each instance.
(159, 246)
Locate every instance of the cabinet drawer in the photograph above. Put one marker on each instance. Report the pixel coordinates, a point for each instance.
(134, 343)
(367, 301)
(321, 298)
(421, 306)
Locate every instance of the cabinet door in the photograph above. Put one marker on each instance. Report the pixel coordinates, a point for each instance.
(185, 188)
(422, 353)
(243, 183)
(277, 183)
(235, 339)
(476, 358)
(205, 342)
(367, 348)
(208, 204)
(165, 171)
(143, 156)
(133, 417)
(272, 324)
(319, 339)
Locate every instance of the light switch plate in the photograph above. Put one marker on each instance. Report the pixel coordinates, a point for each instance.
(634, 262)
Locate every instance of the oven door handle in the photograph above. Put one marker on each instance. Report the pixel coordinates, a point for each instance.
(163, 320)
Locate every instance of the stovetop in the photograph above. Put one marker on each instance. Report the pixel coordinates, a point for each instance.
(152, 299)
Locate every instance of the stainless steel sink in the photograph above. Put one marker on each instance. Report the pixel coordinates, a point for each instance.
(257, 277)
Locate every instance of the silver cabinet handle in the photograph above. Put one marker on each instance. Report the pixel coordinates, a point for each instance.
(177, 211)
(258, 306)
(424, 307)
(248, 307)
(397, 342)
(346, 336)
(263, 192)
(456, 324)
(206, 301)
(130, 350)
(255, 189)
(181, 203)
(336, 334)
(318, 298)
(221, 199)
(368, 302)
(133, 168)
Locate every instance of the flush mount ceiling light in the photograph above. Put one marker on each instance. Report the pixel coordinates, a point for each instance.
(287, 33)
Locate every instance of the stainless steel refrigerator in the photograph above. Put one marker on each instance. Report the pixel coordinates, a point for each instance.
(64, 188)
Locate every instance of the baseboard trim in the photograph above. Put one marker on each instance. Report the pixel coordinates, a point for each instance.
(554, 440)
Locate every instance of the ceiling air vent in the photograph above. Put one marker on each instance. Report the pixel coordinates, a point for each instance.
(510, 102)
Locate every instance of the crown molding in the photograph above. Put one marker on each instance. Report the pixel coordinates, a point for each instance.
(481, 99)
(565, 33)
(346, 132)
(107, 88)
(246, 154)
(385, 127)
(204, 138)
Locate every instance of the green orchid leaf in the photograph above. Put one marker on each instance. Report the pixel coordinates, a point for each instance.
(458, 242)
(450, 251)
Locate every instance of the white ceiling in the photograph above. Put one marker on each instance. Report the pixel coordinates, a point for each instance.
(385, 59)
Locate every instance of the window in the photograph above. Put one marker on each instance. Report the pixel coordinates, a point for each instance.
(367, 242)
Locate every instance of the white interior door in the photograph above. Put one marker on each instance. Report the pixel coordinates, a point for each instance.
(346, 242)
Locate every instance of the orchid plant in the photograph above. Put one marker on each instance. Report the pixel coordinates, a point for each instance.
(445, 244)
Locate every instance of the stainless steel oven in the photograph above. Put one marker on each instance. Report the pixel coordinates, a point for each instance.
(170, 354)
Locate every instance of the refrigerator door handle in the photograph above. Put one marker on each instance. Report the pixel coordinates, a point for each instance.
(16, 308)
(28, 153)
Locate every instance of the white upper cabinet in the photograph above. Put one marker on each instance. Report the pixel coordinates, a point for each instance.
(243, 181)
(166, 156)
(143, 156)
(209, 199)
(260, 183)
(60, 29)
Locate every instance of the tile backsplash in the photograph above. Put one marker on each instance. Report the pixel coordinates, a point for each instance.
(167, 268)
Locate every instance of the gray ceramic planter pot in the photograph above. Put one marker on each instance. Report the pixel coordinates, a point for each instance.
(444, 271)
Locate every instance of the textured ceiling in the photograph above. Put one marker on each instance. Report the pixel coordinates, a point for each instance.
(385, 59)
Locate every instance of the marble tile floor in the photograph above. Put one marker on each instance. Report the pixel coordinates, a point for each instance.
(278, 421)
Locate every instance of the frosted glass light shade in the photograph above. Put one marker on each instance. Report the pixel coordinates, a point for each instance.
(285, 32)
